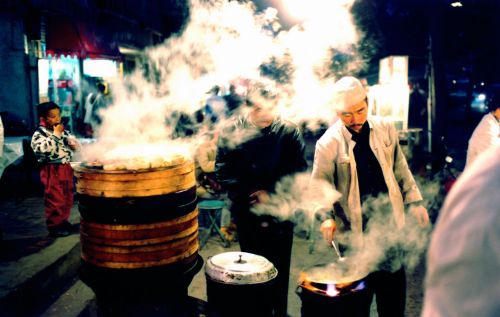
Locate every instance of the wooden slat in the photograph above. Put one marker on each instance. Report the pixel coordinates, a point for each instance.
(139, 232)
(145, 264)
(189, 182)
(126, 175)
(136, 184)
(149, 241)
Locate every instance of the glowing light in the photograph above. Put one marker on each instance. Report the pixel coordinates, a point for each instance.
(100, 68)
(331, 290)
(300, 10)
(481, 97)
(456, 4)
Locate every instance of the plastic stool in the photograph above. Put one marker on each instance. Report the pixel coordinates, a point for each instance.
(213, 208)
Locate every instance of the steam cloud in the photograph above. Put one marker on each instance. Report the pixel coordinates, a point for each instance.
(223, 41)
(228, 40)
(384, 246)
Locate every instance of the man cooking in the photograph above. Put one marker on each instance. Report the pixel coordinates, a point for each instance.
(362, 159)
(269, 149)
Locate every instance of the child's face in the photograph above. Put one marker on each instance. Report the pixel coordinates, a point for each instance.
(53, 118)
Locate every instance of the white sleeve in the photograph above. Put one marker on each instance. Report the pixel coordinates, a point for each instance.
(484, 137)
(323, 166)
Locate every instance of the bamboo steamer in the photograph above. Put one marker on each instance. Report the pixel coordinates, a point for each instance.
(139, 246)
(140, 183)
(138, 219)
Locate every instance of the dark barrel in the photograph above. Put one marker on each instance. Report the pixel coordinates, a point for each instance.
(139, 235)
(240, 284)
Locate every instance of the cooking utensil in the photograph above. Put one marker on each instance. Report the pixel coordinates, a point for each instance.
(337, 251)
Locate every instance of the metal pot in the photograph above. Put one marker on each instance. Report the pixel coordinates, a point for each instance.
(240, 284)
(334, 289)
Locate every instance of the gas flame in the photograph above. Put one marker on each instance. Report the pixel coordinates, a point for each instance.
(331, 290)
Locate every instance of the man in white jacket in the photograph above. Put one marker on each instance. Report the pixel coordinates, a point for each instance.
(361, 158)
(487, 132)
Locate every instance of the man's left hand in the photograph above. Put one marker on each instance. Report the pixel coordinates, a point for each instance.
(259, 197)
(420, 213)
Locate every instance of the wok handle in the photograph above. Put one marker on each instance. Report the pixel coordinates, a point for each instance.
(298, 291)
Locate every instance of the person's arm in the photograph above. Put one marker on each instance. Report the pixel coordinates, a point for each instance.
(324, 170)
(45, 144)
(226, 169)
(72, 141)
(203, 156)
(409, 189)
(404, 177)
(295, 153)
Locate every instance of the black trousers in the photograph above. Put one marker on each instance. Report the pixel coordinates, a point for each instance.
(272, 239)
(389, 289)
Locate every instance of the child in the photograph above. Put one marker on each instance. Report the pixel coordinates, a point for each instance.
(53, 148)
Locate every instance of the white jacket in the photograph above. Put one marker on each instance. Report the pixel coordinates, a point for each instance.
(486, 135)
(334, 161)
(463, 260)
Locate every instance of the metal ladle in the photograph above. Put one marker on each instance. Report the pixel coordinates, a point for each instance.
(341, 258)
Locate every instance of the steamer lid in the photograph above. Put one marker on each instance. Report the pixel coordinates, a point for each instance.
(240, 268)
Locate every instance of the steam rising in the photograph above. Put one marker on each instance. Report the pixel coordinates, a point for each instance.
(226, 41)
(222, 42)
(382, 246)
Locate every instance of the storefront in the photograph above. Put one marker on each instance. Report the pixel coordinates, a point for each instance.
(76, 57)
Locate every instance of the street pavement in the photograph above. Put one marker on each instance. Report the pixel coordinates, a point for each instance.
(25, 238)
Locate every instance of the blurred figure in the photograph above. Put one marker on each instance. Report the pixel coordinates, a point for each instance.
(53, 147)
(93, 105)
(233, 100)
(464, 254)
(487, 133)
(208, 188)
(249, 170)
(417, 111)
(215, 106)
(207, 185)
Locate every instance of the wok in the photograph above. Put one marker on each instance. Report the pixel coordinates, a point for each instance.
(334, 278)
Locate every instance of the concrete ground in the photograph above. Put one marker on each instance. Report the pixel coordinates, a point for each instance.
(303, 259)
(25, 237)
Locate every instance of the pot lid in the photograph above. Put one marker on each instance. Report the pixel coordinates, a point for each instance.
(240, 268)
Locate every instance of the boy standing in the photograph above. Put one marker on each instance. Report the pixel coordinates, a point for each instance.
(53, 147)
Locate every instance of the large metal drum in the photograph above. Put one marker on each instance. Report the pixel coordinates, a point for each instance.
(240, 284)
(139, 232)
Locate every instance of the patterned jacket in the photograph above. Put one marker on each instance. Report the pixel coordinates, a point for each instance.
(50, 149)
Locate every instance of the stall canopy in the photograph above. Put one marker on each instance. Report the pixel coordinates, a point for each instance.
(77, 38)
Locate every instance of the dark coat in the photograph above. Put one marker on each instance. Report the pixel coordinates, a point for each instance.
(260, 162)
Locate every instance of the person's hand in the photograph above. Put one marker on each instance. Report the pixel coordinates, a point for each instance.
(328, 228)
(259, 197)
(73, 143)
(420, 214)
(58, 129)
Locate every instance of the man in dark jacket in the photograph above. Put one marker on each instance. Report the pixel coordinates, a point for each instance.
(249, 170)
